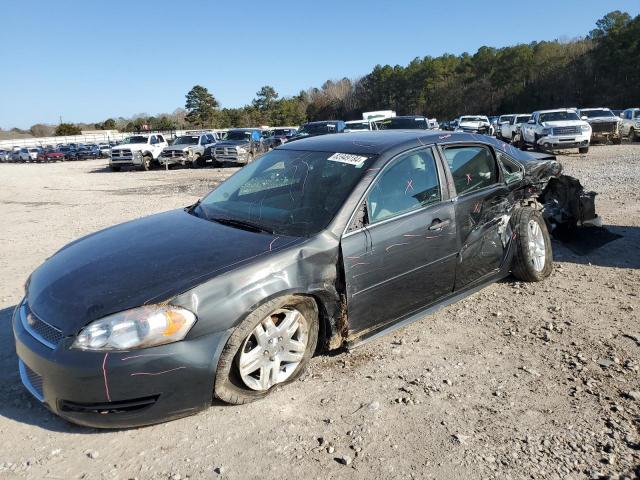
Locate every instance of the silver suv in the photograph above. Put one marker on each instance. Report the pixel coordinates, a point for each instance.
(189, 150)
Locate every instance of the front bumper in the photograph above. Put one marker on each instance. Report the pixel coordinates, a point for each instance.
(135, 159)
(119, 389)
(553, 142)
(175, 160)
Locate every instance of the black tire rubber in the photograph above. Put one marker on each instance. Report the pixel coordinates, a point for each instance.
(633, 136)
(583, 149)
(522, 266)
(616, 140)
(198, 162)
(228, 385)
(115, 169)
(146, 163)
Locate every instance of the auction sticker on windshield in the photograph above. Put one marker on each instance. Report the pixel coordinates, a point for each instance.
(355, 160)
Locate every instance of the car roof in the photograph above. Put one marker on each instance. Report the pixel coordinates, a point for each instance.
(380, 141)
(556, 110)
(594, 108)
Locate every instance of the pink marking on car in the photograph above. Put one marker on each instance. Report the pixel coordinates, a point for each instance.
(104, 375)
(146, 355)
(468, 178)
(272, 242)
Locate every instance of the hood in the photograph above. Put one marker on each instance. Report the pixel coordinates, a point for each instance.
(232, 143)
(141, 262)
(564, 123)
(177, 148)
(130, 146)
(604, 120)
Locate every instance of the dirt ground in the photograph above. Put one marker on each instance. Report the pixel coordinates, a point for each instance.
(517, 381)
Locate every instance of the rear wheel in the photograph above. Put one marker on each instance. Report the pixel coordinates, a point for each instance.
(533, 260)
(271, 347)
(198, 161)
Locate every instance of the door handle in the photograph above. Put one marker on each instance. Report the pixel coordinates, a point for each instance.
(438, 224)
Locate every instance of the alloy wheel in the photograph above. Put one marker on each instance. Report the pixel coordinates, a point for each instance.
(274, 349)
(537, 247)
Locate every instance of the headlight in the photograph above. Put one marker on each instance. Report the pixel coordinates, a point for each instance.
(140, 327)
(638, 124)
(242, 150)
(585, 128)
(546, 131)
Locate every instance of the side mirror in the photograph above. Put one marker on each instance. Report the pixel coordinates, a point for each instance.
(584, 117)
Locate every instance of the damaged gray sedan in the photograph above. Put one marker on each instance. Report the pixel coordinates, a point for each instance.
(319, 244)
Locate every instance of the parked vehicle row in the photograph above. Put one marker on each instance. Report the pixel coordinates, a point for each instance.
(50, 153)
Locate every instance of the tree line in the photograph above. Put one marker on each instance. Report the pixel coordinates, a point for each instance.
(601, 69)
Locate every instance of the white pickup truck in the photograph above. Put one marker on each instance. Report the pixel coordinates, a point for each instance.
(630, 126)
(508, 129)
(137, 151)
(556, 129)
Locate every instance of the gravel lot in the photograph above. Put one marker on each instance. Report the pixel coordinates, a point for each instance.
(517, 381)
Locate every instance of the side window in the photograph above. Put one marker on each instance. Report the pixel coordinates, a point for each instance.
(513, 172)
(154, 140)
(472, 167)
(410, 183)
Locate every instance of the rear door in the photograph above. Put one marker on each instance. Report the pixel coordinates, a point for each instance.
(399, 254)
(482, 206)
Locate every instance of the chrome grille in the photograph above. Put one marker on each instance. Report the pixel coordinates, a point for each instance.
(173, 153)
(39, 329)
(120, 153)
(566, 130)
(225, 151)
(31, 380)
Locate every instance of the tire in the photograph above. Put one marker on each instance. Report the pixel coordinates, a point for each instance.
(146, 163)
(633, 136)
(198, 161)
(616, 140)
(115, 169)
(229, 385)
(583, 150)
(528, 266)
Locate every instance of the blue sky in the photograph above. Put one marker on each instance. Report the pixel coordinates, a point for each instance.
(90, 60)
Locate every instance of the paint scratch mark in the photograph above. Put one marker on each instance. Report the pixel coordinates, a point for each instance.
(395, 245)
(157, 373)
(409, 186)
(104, 375)
(442, 137)
(271, 243)
(146, 355)
(409, 235)
(358, 264)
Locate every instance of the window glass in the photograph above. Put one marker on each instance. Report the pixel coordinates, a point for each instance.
(410, 183)
(472, 167)
(512, 171)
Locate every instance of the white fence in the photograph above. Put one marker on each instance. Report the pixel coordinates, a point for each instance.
(97, 137)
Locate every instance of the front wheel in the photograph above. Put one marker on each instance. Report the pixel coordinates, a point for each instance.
(533, 260)
(146, 163)
(633, 136)
(114, 168)
(272, 346)
(583, 150)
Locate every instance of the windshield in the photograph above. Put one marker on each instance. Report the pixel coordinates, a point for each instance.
(357, 126)
(316, 129)
(558, 116)
(289, 192)
(636, 114)
(522, 118)
(504, 118)
(135, 139)
(597, 113)
(186, 140)
(238, 135)
(398, 123)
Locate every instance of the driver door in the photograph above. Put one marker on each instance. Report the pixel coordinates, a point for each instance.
(403, 257)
